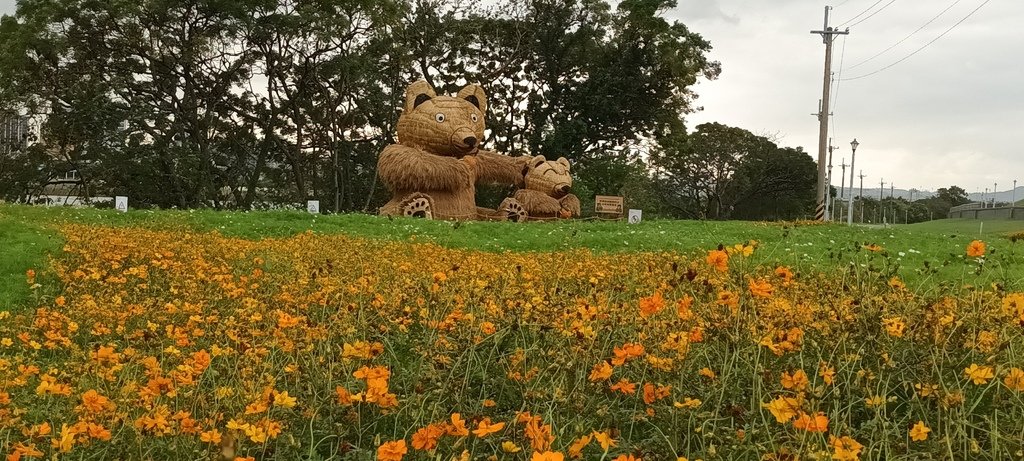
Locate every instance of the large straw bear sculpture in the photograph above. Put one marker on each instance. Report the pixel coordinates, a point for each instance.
(433, 170)
(546, 195)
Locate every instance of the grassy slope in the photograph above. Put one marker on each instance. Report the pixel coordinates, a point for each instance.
(27, 235)
(24, 244)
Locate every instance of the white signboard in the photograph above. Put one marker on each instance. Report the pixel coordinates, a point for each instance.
(313, 206)
(635, 216)
(121, 203)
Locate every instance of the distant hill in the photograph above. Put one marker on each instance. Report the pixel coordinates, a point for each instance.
(898, 193)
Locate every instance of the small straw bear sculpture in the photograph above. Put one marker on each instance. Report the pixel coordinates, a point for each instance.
(433, 170)
(546, 195)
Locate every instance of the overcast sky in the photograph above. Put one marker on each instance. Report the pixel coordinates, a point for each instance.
(951, 114)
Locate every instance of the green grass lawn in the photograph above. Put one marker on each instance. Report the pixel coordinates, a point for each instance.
(922, 254)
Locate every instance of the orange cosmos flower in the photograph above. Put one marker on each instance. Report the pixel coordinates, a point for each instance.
(785, 274)
(976, 249)
(653, 394)
(816, 423)
(547, 456)
(627, 458)
(485, 428)
(1015, 379)
(628, 351)
(576, 449)
(624, 386)
(683, 308)
(93, 402)
(458, 426)
(718, 259)
(797, 381)
(392, 451)
(760, 288)
(651, 304)
(426, 438)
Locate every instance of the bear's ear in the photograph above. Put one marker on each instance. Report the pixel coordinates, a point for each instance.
(537, 161)
(418, 93)
(564, 162)
(475, 95)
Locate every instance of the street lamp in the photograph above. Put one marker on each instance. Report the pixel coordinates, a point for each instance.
(849, 205)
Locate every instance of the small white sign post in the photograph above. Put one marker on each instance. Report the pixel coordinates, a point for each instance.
(121, 203)
(635, 216)
(313, 206)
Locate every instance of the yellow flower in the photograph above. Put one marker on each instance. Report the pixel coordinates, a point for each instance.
(874, 401)
(687, 403)
(976, 249)
(605, 440)
(509, 446)
(919, 432)
(979, 374)
(282, 399)
(211, 436)
(894, 326)
(845, 448)
(601, 372)
(783, 408)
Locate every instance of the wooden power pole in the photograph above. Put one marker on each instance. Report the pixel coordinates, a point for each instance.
(828, 35)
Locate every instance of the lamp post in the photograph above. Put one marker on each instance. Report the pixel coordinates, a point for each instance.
(995, 187)
(849, 205)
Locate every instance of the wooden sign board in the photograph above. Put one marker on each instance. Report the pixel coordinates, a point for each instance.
(607, 204)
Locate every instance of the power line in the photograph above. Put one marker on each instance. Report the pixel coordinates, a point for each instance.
(860, 14)
(872, 14)
(908, 36)
(926, 45)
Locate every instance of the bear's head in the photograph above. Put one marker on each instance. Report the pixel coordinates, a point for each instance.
(550, 177)
(443, 125)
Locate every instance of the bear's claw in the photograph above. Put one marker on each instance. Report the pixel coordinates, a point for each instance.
(418, 207)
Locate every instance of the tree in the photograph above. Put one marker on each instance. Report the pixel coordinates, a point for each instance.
(722, 172)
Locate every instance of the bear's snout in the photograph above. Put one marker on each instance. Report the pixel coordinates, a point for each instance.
(465, 141)
(561, 190)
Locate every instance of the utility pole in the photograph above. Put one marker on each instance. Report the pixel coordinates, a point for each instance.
(828, 187)
(881, 210)
(892, 203)
(860, 195)
(842, 188)
(828, 35)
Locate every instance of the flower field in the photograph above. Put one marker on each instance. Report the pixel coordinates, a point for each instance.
(156, 344)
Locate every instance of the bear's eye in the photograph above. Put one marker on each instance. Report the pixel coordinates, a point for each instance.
(474, 117)
(439, 118)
